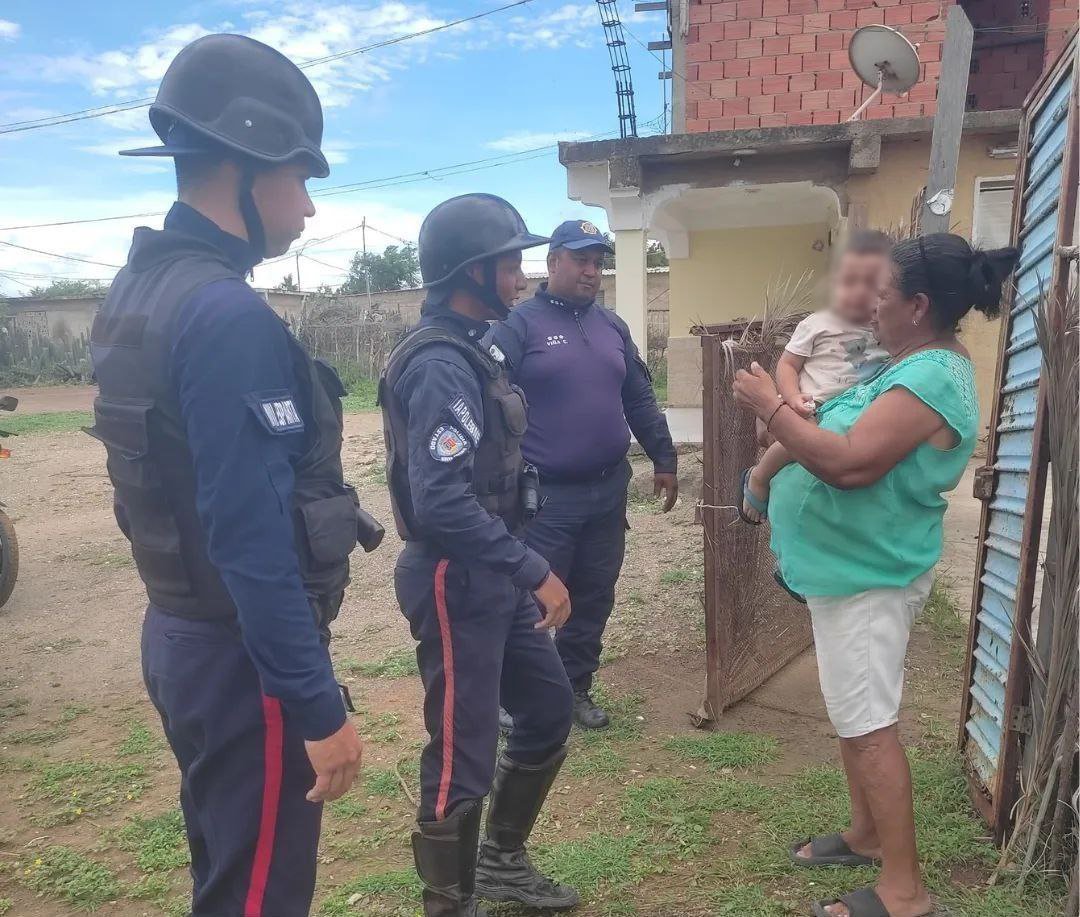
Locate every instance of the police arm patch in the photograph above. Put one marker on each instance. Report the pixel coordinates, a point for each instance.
(447, 443)
(459, 408)
(276, 411)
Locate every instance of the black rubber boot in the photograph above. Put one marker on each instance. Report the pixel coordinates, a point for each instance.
(586, 714)
(445, 855)
(504, 872)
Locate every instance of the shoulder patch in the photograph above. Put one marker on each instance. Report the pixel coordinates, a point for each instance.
(447, 443)
(276, 411)
(460, 410)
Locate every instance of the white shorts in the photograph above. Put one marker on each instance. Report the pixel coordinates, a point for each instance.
(861, 641)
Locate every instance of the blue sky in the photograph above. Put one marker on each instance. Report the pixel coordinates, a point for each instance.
(511, 82)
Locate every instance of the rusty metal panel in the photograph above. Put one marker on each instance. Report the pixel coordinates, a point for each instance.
(997, 676)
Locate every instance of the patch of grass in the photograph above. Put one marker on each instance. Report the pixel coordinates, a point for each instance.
(673, 812)
(625, 713)
(13, 706)
(347, 806)
(382, 729)
(943, 619)
(158, 842)
(659, 372)
(155, 888)
(72, 712)
(47, 735)
(399, 885)
(600, 861)
(677, 576)
(1034, 900)
(6, 904)
(598, 759)
(78, 788)
(374, 473)
(382, 781)
(640, 502)
(139, 741)
(112, 559)
(726, 749)
(40, 424)
(743, 900)
(60, 872)
(395, 664)
(361, 397)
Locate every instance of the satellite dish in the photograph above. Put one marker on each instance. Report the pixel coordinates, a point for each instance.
(885, 60)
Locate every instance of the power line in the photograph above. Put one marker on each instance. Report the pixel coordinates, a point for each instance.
(372, 184)
(38, 251)
(85, 114)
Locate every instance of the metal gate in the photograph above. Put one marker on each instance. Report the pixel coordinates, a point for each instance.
(1012, 485)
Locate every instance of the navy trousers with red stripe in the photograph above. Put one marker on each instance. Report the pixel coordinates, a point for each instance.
(244, 771)
(477, 643)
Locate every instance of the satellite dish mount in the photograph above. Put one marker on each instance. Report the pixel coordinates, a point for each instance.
(884, 60)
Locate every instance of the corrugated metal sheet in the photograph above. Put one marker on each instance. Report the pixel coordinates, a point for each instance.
(1015, 441)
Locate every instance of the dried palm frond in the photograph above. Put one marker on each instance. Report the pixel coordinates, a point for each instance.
(1044, 839)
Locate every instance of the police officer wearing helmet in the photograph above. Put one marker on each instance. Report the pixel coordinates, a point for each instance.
(587, 388)
(223, 441)
(465, 581)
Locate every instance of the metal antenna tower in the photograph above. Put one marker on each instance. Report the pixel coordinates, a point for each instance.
(620, 66)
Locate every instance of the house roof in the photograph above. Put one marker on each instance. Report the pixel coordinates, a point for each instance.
(861, 137)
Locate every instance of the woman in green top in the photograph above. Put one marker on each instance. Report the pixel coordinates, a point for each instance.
(857, 529)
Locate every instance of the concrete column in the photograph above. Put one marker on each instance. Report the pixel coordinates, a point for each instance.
(631, 299)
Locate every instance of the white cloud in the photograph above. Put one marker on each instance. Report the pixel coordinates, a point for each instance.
(303, 33)
(9, 30)
(571, 24)
(526, 140)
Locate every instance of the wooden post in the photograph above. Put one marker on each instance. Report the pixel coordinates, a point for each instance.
(948, 122)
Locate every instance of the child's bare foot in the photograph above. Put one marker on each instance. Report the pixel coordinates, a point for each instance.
(755, 504)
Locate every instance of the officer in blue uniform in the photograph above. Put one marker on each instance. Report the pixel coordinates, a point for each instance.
(465, 580)
(223, 441)
(587, 389)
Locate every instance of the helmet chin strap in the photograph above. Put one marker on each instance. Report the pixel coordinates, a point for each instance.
(252, 220)
(486, 292)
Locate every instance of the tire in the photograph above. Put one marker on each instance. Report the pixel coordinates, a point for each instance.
(9, 558)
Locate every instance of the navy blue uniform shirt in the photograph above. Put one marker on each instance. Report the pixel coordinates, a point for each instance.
(586, 385)
(441, 398)
(231, 351)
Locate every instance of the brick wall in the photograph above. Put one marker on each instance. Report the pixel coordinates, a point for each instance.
(1061, 20)
(770, 63)
(1005, 65)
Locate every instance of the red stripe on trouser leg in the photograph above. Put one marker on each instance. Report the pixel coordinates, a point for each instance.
(448, 691)
(272, 768)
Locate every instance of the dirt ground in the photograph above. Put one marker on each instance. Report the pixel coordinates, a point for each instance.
(71, 695)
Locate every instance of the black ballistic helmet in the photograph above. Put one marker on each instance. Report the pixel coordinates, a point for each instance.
(230, 93)
(467, 230)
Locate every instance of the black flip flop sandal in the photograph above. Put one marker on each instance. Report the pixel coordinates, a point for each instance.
(863, 902)
(748, 496)
(828, 850)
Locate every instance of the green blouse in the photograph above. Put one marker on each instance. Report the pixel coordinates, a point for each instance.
(840, 542)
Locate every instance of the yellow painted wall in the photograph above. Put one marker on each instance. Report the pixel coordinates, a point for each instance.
(728, 270)
(886, 197)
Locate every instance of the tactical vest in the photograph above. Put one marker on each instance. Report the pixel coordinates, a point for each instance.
(497, 461)
(137, 416)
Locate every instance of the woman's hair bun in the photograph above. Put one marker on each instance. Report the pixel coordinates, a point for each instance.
(986, 275)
